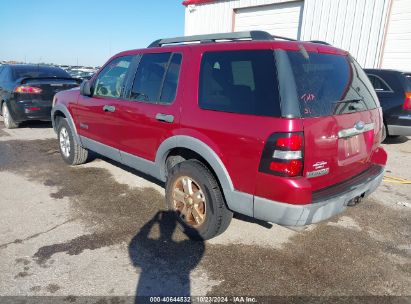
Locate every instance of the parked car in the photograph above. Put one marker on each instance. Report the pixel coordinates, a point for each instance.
(283, 131)
(26, 91)
(394, 92)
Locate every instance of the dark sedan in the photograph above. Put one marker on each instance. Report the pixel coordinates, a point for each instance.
(26, 91)
(394, 92)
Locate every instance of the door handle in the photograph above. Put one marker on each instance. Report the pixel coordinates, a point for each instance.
(165, 117)
(108, 108)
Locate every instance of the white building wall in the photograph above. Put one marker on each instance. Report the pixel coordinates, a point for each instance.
(397, 46)
(354, 25)
(217, 17)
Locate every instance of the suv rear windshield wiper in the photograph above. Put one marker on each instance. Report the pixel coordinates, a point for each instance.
(351, 105)
(354, 100)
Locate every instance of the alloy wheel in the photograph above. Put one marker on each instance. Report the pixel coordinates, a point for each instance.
(189, 201)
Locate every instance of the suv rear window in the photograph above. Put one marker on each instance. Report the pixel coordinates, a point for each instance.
(242, 82)
(38, 71)
(329, 84)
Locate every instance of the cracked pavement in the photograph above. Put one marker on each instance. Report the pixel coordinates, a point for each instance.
(96, 230)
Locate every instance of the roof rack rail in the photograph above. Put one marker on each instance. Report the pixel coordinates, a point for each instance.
(319, 42)
(284, 38)
(252, 35)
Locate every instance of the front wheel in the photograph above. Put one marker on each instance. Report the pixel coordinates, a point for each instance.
(71, 152)
(194, 193)
(9, 122)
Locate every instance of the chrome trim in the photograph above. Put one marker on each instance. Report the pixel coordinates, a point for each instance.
(287, 154)
(317, 173)
(354, 131)
(408, 117)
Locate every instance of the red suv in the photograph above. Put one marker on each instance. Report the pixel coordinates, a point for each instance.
(283, 131)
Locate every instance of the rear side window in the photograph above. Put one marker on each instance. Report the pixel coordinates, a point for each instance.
(168, 93)
(38, 71)
(329, 84)
(242, 82)
(156, 78)
(379, 84)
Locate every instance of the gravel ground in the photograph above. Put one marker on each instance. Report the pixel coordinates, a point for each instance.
(100, 229)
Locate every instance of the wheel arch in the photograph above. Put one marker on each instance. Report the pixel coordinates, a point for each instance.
(186, 145)
(60, 110)
(236, 201)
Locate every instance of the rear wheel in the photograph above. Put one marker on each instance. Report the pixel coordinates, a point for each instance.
(193, 192)
(384, 133)
(9, 122)
(71, 152)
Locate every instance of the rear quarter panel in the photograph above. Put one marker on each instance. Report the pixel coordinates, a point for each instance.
(237, 139)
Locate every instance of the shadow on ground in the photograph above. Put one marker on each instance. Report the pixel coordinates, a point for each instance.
(395, 140)
(164, 262)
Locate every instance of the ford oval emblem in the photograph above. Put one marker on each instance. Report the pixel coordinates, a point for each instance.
(360, 125)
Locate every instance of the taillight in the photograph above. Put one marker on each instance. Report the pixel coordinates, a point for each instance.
(283, 154)
(28, 90)
(407, 102)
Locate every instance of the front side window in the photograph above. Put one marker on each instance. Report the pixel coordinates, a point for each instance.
(110, 81)
(156, 78)
(243, 82)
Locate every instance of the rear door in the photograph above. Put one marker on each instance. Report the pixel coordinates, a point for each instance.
(341, 116)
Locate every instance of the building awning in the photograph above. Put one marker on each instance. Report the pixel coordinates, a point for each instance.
(189, 2)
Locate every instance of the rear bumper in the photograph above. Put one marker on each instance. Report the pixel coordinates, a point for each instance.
(322, 209)
(23, 110)
(399, 130)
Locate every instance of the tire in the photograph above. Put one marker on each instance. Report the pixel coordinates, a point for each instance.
(384, 133)
(71, 152)
(9, 122)
(209, 205)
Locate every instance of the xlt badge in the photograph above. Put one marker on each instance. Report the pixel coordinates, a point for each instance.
(319, 169)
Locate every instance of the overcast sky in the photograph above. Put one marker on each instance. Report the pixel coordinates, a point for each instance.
(86, 32)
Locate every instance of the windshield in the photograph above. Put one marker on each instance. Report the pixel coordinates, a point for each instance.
(329, 84)
(38, 71)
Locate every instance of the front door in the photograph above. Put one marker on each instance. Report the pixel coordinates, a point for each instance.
(98, 116)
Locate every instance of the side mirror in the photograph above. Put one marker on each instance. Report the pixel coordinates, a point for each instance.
(85, 88)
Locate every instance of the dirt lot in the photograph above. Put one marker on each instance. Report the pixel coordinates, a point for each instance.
(95, 230)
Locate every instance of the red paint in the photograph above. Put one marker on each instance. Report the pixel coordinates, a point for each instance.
(236, 138)
(189, 2)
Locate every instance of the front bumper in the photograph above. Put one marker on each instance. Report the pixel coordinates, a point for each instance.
(299, 215)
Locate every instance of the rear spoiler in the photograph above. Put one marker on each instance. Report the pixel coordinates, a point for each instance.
(26, 79)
